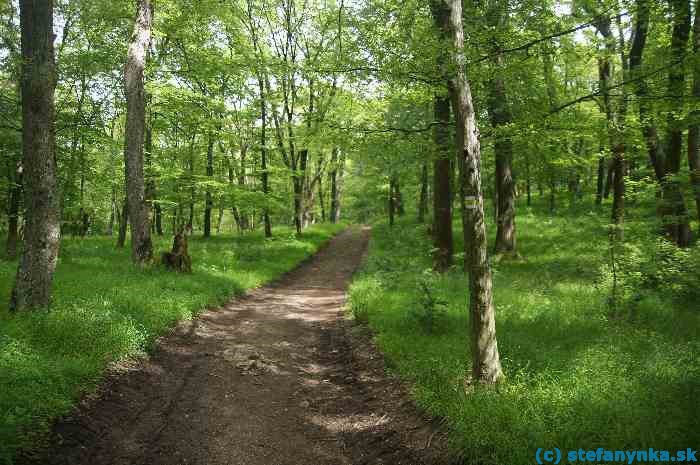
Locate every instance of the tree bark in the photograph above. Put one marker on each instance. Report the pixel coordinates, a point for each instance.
(500, 115)
(338, 168)
(694, 118)
(321, 196)
(423, 196)
(42, 231)
(442, 187)
(13, 213)
(298, 186)
(600, 184)
(123, 224)
(398, 198)
(672, 208)
(208, 202)
(675, 212)
(141, 246)
(264, 175)
(486, 364)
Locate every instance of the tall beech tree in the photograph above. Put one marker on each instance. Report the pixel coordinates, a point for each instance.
(486, 363)
(442, 186)
(500, 115)
(141, 245)
(42, 231)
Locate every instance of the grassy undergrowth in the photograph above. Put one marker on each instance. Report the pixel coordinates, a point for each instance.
(106, 310)
(576, 378)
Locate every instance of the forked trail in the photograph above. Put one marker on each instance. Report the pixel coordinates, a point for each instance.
(277, 377)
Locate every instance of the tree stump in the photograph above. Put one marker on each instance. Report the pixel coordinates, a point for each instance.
(178, 259)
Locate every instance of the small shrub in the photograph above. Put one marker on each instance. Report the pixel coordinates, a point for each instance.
(654, 266)
(431, 308)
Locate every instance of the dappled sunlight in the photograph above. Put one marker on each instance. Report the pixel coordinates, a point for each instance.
(49, 359)
(572, 373)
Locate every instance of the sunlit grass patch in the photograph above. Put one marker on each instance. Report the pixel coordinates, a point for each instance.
(574, 376)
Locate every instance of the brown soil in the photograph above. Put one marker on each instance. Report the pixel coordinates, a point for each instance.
(278, 377)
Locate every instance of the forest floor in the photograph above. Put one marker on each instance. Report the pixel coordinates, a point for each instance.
(278, 376)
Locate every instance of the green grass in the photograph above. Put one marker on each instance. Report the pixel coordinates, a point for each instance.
(105, 310)
(575, 378)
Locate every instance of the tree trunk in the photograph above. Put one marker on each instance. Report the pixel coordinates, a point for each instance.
(338, 168)
(298, 185)
(392, 202)
(641, 90)
(675, 212)
(500, 115)
(694, 118)
(42, 231)
(151, 193)
(672, 210)
(158, 210)
(528, 180)
(423, 198)
(123, 224)
(442, 187)
(13, 213)
(264, 175)
(299, 181)
(242, 182)
(112, 212)
(398, 198)
(321, 198)
(141, 246)
(208, 202)
(486, 364)
(600, 179)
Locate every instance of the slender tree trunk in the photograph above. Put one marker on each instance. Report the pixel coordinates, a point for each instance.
(338, 168)
(151, 192)
(600, 179)
(141, 246)
(13, 213)
(299, 181)
(500, 115)
(158, 211)
(676, 213)
(609, 180)
(672, 208)
(321, 198)
(694, 118)
(528, 180)
(208, 202)
(398, 198)
(242, 182)
(486, 364)
(123, 224)
(442, 187)
(641, 89)
(112, 212)
(423, 198)
(264, 175)
(392, 202)
(42, 231)
(190, 219)
(298, 185)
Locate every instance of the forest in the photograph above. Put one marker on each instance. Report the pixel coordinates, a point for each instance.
(349, 231)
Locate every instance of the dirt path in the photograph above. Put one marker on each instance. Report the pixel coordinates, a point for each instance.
(277, 377)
